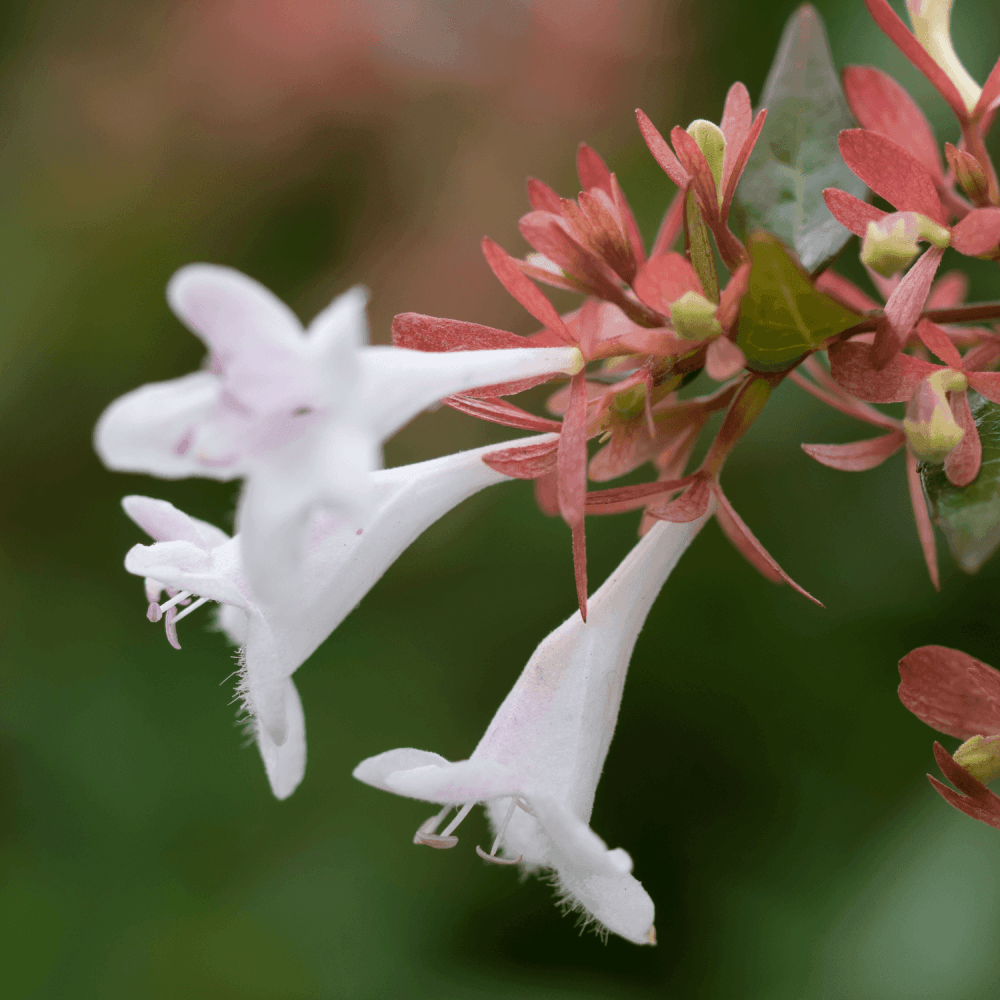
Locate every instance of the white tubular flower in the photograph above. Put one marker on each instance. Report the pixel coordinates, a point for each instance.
(300, 413)
(345, 553)
(538, 765)
(931, 20)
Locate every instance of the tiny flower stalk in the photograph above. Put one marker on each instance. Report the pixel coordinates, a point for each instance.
(931, 428)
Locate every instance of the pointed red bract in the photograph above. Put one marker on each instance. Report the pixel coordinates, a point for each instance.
(852, 368)
(752, 549)
(844, 291)
(740, 543)
(620, 499)
(547, 493)
(523, 289)
(925, 530)
(632, 232)
(858, 456)
(431, 333)
(661, 151)
(592, 170)
(573, 453)
(890, 22)
(962, 464)
(978, 802)
(733, 176)
(580, 566)
(499, 411)
(951, 691)
(689, 506)
(852, 213)
(892, 172)
(990, 94)
(987, 384)
(978, 233)
(525, 461)
(904, 307)
(542, 197)
(882, 105)
(948, 291)
(737, 117)
(937, 340)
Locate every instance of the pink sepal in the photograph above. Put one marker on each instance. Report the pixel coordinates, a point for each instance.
(978, 233)
(857, 456)
(664, 279)
(737, 117)
(740, 543)
(935, 339)
(732, 297)
(751, 548)
(689, 506)
(852, 369)
(433, 334)
(962, 464)
(543, 198)
(702, 181)
(904, 307)
(572, 454)
(925, 530)
(525, 462)
(891, 23)
(986, 384)
(882, 105)
(670, 226)
(624, 498)
(580, 565)
(592, 170)
(978, 802)
(732, 178)
(852, 213)
(844, 291)
(948, 291)
(547, 494)
(661, 151)
(627, 218)
(499, 411)
(892, 172)
(951, 691)
(523, 289)
(723, 359)
(990, 94)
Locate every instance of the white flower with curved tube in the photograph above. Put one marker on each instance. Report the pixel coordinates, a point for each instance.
(538, 765)
(345, 553)
(301, 414)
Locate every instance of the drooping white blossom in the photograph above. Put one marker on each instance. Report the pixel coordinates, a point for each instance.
(538, 765)
(301, 414)
(345, 553)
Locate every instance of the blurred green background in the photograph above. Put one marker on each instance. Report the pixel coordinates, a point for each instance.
(765, 779)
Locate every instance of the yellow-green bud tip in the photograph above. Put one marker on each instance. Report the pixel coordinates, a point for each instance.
(930, 426)
(693, 317)
(891, 243)
(712, 143)
(980, 756)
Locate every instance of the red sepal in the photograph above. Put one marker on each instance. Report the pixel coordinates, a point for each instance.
(978, 233)
(529, 461)
(935, 339)
(844, 291)
(543, 198)
(702, 181)
(592, 170)
(547, 494)
(891, 23)
(748, 545)
(689, 506)
(432, 334)
(991, 91)
(904, 307)
(892, 172)
(948, 291)
(852, 213)
(664, 279)
(723, 359)
(670, 226)
(624, 498)
(580, 566)
(572, 463)
(852, 369)
(737, 117)
(523, 289)
(962, 464)
(740, 543)
(661, 151)
(882, 105)
(986, 384)
(951, 691)
(499, 411)
(732, 297)
(978, 801)
(925, 530)
(732, 179)
(857, 456)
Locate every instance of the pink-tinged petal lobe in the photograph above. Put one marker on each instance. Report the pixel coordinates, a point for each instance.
(925, 530)
(986, 384)
(937, 340)
(751, 548)
(852, 369)
(882, 105)
(661, 151)
(664, 279)
(843, 290)
(858, 456)
(523, 289)
(891, 23)
(904, 307)
(572, 462)
(948, 291)
(892, 172)
(739, 163)
(962, 463)
(592, 170)
(723, 359)
(978, 233)
(951, 691)
(689, 506)
(852, 213)
(543, 198)
(499, 411)
(524, 462)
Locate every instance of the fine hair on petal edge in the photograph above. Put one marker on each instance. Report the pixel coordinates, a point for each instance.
(568, 904)
(245, 718)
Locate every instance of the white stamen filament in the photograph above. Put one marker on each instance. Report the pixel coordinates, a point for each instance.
(190, 608)
(182, 596)
(503, 826)
(459, 816)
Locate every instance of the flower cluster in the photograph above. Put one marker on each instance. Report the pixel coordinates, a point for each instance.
(736, 292)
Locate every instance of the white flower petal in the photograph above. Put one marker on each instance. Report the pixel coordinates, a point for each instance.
(285, 763)
(375, 770)
(163, 522)
(185, 566)
(463, 781)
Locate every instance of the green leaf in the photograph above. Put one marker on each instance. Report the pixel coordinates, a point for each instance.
(782, 315)
(796, 156)
(970, 516)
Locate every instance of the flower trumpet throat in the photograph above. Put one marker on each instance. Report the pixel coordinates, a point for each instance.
(930, 425)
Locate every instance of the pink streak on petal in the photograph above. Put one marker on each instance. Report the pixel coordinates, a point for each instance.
(153, 612)
(858, 456)
(904, 307)
(925, 530)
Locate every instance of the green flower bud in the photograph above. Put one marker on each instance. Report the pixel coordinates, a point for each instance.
(712, 143)
(930, 426)
(980, 756)
(693, 317)
(891, 243)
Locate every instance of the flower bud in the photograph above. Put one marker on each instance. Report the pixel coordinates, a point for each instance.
(931, 24)
(712, 143)
(891, 243)
(970, 174)
(693, 317)
(930, 426)
(980, 756)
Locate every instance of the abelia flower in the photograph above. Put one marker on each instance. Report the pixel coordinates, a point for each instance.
(301, 414)
(905, 182)
(538, 764)
(957, 694)
(345, 553)
(709, 159)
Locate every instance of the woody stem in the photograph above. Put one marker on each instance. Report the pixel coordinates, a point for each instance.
(955, 314)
